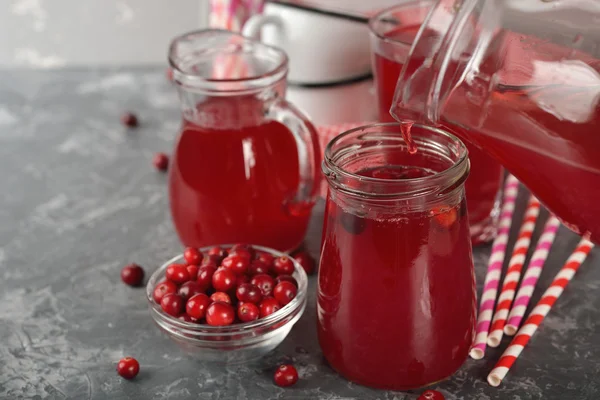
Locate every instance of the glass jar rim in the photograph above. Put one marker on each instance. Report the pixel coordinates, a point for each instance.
(229, 43)
(404, 188)
(381, 15)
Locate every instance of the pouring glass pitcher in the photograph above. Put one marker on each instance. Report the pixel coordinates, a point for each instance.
(523, 80)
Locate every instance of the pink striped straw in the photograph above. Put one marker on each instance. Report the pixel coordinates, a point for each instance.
(513, 274)
(492, 276)
(536, 264)
(539, 312)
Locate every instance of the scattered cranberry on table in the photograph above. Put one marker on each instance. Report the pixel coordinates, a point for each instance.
(128, 367)
(220, 314)
(306, 261)
(161, 161)
(192, 256)
(285, 375)
(431, 395)
(129, 119)
(217, 286)
(132, 275)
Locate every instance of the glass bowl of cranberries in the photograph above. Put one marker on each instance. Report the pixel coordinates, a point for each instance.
(228, 303)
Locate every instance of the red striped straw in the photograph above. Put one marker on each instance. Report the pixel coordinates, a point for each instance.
(540, 311)
(492, 277)
(536, 264)
(513, 274)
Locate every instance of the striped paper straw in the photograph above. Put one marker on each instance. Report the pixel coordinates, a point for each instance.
(540, 311)
(492, 276)
(536, 264)
(513, 274)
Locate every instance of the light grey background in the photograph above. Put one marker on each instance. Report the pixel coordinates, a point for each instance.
(56, 33)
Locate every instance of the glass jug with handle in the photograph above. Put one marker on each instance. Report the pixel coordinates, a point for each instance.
(523, 80)
(245, 165)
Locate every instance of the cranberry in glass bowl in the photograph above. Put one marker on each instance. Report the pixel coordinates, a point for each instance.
(235, 341)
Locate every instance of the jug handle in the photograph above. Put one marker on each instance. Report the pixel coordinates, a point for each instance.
(307, 143)
(253, 26)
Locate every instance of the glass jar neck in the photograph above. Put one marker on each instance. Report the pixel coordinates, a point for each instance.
(224, 78)
(382, 146)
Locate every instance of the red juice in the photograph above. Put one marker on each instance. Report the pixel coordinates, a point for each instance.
(396, 299)
(485, 177)
(396, 294)
(232, 179)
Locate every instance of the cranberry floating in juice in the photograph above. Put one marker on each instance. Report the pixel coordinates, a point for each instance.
(522, 80)
(396, 288)
(245, 165)
(392, 33)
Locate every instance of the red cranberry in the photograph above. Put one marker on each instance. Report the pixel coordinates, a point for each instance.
(224, 279)
(209, 261)
(237, 263)
(129, 119)
(192, 255)
(177, 273)
(161, 161)
(264, 282)
(205, 276)
(248, 293)
(306, 261)
(353, 224)
(266, 258)
(163, 289)
(431, 395)
(283, 266)
(196, 306)
(173, 304)
(185, 317)
(241, 279)
(220, 314)
(286, 278)
(128, 367)
(220, 296)
(243, 249)
(284, 292)
(193, 271)
(218, 252)
(445, 216)
(247, 312)
(132, 274)
(286, 375)
(241, 253)
(189, 289)
(258, 267)
(268, 306)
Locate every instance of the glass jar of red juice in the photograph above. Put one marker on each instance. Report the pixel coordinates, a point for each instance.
(245, 165)
(396, 288)
(392, 33)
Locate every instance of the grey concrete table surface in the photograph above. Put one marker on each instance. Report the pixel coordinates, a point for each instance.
(79, 199)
